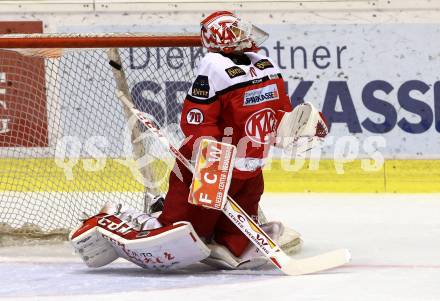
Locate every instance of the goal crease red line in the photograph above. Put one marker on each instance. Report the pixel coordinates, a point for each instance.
(392, 266)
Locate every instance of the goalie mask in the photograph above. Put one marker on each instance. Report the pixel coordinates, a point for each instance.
(224, 31)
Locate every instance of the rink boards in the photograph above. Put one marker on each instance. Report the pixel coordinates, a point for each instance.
(115, 175)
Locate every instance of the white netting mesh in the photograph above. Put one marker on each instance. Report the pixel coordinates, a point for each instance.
(65, 143)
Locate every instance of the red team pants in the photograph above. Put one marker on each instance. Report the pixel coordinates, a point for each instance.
(209, 223)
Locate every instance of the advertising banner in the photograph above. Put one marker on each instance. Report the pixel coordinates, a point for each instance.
(377, 84)
(23, 114)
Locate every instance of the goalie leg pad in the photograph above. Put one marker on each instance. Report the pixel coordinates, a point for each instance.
(222, 258)
(171, 247)
(92, 247)
(119, 231)
(290, 241)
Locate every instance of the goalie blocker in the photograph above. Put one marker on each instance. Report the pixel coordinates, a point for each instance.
(212, 175)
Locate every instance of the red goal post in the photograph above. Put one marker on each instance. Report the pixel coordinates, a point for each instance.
(66, 143)
(92, 40)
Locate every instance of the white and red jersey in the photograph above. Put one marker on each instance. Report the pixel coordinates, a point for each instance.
(238, 99)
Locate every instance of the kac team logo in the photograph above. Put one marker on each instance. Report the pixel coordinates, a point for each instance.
(261, 125)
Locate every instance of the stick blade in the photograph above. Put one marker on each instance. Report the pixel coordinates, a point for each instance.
(317, 263)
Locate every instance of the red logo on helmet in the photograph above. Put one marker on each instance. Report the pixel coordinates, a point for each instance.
(220, 32)
(223, 32)
(261, 125)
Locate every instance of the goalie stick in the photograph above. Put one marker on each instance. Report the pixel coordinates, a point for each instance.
(240, 218)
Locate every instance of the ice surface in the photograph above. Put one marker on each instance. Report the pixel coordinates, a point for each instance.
(394, 240)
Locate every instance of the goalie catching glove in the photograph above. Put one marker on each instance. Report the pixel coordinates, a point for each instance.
(303, 125)
(137, 237)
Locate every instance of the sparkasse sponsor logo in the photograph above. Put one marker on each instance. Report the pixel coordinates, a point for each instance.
(261, 95)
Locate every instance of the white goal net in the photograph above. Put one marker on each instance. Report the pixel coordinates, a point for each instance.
(67, 144)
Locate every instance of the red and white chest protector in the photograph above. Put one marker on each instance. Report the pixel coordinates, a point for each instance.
(237, 100)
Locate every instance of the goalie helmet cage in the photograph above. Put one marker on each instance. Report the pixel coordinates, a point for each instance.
(67, 144)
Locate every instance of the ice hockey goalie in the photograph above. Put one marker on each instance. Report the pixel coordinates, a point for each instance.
(238, 97)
